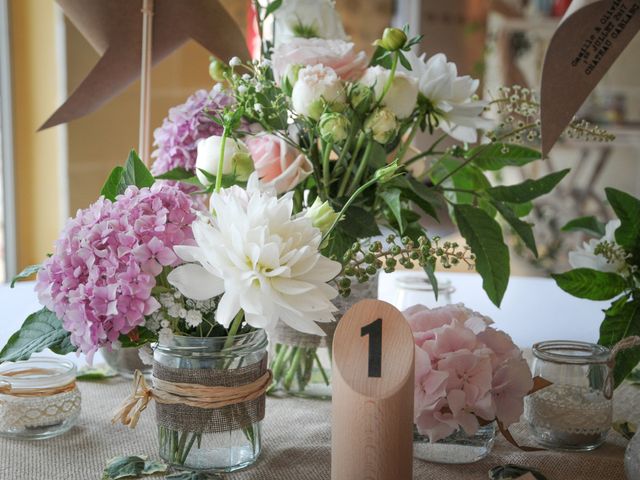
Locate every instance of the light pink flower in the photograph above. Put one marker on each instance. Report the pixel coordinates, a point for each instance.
(336, 54)
(511, 383)
(465, 370)
(277, 163)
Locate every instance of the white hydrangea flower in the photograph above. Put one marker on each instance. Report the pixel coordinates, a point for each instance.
(261, 259)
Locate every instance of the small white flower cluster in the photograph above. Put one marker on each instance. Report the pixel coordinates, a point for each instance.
(175, 309)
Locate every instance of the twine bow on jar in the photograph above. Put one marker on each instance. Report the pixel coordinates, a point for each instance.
(191, 394)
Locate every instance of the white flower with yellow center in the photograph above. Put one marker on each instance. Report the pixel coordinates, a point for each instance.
(261, 259)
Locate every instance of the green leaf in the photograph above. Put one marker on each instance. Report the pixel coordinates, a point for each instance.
(469, 180)
(359, 223)
(272, 7)
(521, 209)
(591, 284)
(193, 476)
(430, 269)
(115, 184)
(622, 320)
(589, 225)
(40, 330)
(496, 156)
(392, 198)
(529, 189)
(95, 374)
(484, 235)
(426, 198)
(627, 208)
(26, 273)
(136, 173)
(177, 173)
(137, 337)
(227, 180)
(523, 229)
(131, 466)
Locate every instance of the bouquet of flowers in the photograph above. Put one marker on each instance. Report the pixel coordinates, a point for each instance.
(313, 116)
(607, 268)
(468, 374)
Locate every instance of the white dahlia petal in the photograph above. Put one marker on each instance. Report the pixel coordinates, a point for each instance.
(194, 281)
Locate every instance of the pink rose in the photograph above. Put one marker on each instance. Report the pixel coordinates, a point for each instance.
(336, 54)
(277, 163)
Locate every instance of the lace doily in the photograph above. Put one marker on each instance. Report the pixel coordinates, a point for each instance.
(31, 412)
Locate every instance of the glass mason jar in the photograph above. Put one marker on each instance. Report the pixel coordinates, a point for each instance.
(632, 458)
(219, 439)
(575, 411)
(125, 361)
(300, 362)
(38, 398)
(459, 447)
(416, 289)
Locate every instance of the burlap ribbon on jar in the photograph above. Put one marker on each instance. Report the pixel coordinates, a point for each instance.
(200, 400)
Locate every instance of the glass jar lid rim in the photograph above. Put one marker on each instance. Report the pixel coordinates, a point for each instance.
(571, 351)
(40, 372)
(416, 281)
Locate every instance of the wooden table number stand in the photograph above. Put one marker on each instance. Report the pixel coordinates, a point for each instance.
(372, 410)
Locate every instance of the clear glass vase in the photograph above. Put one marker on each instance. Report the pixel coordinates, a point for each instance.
(125, 361)
(301, 363)
(632, 458)
(221, 439)
(457, 448)
(575, 412)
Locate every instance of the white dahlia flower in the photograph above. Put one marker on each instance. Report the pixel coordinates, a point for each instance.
(261, 259)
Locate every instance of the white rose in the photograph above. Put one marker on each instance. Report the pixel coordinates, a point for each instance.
(307, 19)
(316, 86)
(236, 158)
(402, 96)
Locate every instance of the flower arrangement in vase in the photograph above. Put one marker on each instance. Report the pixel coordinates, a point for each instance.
(144, 264)
(314, 116)
(468, 376)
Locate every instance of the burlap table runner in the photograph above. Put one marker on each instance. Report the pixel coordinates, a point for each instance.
(296, 445)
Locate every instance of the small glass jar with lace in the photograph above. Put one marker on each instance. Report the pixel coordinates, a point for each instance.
(575, 411)
(38, 398)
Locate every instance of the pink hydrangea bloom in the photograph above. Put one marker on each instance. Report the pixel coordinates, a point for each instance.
(466, 371)
(99, 280)
(176, 141)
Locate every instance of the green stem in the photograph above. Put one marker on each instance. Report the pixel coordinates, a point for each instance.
(278, 363)
(321, 368)
(326, 153)
(478, 152)
(295, 361)
(346, 206)
(188, 448)
(405, 146)
(347, 174)
(362, 167)
(345, 148)
(392, 74)
(223, 144)
(426, 153)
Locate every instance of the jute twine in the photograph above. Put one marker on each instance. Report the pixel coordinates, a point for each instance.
(7, 389)
(624, 344)
(199, 400)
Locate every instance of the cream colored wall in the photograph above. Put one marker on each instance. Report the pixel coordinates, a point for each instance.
(35, 88)
(102, 140)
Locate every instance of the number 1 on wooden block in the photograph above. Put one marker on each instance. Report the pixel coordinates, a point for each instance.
(374, 330)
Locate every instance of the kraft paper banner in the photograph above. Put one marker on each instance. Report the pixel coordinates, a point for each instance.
(114, 30)
(592, 34)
